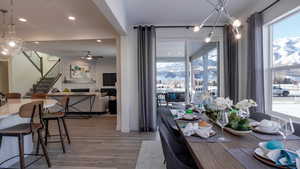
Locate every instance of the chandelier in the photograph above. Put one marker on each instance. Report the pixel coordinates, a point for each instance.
(219, 10)
(11, 44)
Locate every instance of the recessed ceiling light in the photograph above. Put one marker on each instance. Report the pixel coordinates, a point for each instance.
(99, 41)
(22, 19)
(36, 42)
(72, 18)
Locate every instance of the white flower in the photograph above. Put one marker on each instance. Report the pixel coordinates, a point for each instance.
(245, 104)
(221, 103)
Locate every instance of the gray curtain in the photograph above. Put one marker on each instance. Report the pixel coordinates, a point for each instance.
(231, 75)
(255, 88)
(146, 78)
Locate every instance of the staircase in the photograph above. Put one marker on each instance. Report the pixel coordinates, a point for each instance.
(48, 80)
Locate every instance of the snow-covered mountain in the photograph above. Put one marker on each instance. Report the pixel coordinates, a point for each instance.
(286, 51)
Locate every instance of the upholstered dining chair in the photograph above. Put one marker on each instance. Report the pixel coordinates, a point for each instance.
(173, 159)
(59, 117)
(259, 116)
(297, 129)
(13, 95)
(33, 111)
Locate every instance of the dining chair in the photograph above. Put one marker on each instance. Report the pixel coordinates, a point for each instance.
(13, 95)
(58, 117)
(33, 111)
(259, 116)
(297, 129)
(39, 96)
(174, 160)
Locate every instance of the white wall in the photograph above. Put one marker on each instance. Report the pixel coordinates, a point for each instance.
(107, 65)
(47, 63)
(23, 74)
(115, 13)
(128, 110)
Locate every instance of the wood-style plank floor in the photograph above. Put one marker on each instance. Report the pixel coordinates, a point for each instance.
(95, 143)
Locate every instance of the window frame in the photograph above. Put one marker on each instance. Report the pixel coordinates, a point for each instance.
(269, 69)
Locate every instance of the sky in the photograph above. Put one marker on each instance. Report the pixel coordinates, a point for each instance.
(288, 27)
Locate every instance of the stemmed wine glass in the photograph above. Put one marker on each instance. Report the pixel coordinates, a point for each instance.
(222, 120)
(286, 129)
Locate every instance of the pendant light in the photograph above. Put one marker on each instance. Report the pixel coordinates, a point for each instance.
(220, 9)
(11, 40)
(3, 48)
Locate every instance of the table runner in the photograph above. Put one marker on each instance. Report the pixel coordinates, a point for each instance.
(266, 137)
(245, 157)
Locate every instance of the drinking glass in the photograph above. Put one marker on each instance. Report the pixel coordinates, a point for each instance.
(286, 129)
(222, 120)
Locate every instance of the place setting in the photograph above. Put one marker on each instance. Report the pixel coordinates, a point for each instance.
(278, 129)
(269, 154)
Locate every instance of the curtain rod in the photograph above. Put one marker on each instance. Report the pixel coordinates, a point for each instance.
(187, 27)
(268, 7)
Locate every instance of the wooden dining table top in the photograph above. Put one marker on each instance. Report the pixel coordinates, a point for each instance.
(215, 155)
(13, 105)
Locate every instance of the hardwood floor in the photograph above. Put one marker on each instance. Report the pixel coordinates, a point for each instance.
(95, 143)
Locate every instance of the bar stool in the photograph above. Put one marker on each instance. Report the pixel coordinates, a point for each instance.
(13, 96)
(58, 116)
(28, 110)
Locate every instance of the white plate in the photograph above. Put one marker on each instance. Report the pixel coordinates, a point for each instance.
(258, 151)
(237, 132)
(258, 129)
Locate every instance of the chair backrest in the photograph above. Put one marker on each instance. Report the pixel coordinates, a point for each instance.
(297, 129)
(172, 160)
(259, 116)
(64, 102)
(13, 95)
(30, 110)
(39, 96)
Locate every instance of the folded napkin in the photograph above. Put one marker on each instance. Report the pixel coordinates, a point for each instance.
(192, 129)
(284, 158)
(203, 132)
(188, 130)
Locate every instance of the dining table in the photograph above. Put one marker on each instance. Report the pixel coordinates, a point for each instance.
(220, 155)
(9, 117)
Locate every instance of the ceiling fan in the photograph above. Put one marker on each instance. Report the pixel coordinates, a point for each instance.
(89, 56)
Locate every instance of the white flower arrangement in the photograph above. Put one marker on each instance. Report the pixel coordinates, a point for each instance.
(245, 104)
(221, 103)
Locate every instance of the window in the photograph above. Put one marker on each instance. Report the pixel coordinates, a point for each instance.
(285, 65)
(204, 69)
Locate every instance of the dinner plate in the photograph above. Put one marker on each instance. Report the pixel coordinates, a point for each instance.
(259, 155)
(258, 130)
(212, 133)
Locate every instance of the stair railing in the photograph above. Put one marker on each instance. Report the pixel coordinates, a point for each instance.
(53, 72)
(35, 59)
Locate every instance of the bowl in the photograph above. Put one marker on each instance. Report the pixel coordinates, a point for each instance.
(270, 146)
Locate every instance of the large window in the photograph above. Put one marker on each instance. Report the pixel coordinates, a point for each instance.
(204, 70)
(285, 65)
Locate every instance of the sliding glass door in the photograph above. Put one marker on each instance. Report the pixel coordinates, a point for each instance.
(171, 71)
(204, 69)
(185, 68)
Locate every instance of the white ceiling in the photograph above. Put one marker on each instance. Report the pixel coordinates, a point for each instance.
(76, 48)
(47, 20)
(181, 12)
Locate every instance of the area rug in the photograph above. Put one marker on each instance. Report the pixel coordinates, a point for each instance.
(150, 156)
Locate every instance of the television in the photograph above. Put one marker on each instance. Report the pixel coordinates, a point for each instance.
(109, 79)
